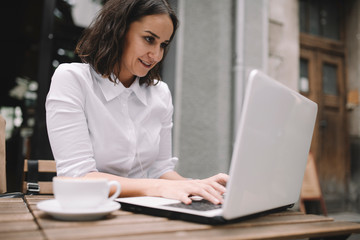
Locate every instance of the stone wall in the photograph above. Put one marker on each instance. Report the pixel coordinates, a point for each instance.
(353, 59)
(202, 120)
(284, 45)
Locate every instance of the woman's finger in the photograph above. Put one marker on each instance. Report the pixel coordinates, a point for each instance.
(208, 192)
(218, 187)
(221, 178)
(185, 199)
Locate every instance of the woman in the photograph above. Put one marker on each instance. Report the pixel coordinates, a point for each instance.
(110, 117)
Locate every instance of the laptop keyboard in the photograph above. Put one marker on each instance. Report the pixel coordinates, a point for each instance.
(201, 205)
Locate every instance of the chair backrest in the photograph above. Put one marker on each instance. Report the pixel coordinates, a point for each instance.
(311, 189)
(311, 186)
(38, 176)
(2, 156)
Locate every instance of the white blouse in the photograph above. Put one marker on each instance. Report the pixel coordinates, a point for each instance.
(96, 125)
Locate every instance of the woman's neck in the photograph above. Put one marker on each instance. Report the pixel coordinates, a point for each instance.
(126, 79)
(127, 83)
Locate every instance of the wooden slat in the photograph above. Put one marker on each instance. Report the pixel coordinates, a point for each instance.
(326, 44)
(99, 232)
(15, 207)
(47, 222)
(288, 231)
(8, 200)
(37, 198)
(17, 226)
(22, 235)
(44, 166)
(11, 217)
(279, 220)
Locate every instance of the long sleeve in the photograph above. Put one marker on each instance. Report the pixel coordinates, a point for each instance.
(67, 126)
(165, 161)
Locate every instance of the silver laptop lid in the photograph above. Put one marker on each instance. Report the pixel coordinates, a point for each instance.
(271, 148)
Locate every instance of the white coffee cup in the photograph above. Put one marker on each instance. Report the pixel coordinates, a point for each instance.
(83, 193)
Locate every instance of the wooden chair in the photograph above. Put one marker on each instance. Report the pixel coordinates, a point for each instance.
(2, 156)
(38, 176)
(37, 169)
(311, 190)
(3, 187)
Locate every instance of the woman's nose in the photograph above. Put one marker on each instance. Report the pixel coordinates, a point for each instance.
(156, 54)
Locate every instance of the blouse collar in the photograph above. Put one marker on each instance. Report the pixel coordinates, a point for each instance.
(112, 90)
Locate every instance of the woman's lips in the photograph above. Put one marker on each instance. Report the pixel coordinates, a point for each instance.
(145, 64)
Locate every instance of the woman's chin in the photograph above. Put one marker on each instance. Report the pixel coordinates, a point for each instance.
(142, 74)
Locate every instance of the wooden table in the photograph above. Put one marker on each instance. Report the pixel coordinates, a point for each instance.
(20, 219)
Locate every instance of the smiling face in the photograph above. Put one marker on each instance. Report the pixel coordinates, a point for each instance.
(144, 46)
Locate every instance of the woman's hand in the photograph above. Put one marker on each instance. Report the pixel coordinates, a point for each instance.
(211, 189)
(171, 185)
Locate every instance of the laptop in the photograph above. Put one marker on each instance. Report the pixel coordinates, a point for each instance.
(268, 160)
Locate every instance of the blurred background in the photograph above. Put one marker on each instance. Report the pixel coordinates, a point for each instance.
(312, 46)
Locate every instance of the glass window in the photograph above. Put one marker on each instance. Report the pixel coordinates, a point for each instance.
(304, 76)
(302, 15)
(330, 20)
(330, 79)
(320, 18)
(314, 26)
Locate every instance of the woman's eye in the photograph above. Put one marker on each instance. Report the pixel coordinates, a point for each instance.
(164, 45)
(149, 39)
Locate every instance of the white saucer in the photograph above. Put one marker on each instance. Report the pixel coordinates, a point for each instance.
(53, 208)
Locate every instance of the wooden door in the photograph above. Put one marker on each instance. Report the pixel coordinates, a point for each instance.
(322, 79)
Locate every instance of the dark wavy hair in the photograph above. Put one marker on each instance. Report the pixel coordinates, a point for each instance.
(101, 44)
